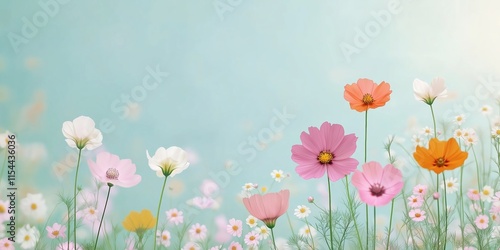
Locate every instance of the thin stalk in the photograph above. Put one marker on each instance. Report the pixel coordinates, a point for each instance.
(445, 213)
(74, 195)
(353, 217)
(158, 210)
(274, 241)
(462, 207)
(374, 227)
(309, 228)
(433, 121)
(438, 216)
(366, 153)
(390, 226)
(102, 217)
(330, 209)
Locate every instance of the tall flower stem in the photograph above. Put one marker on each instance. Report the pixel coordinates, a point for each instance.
(310, 234)
(158, 210)
(390, 226)
(445, 213)
(433, 121)
(102, 217)
(291, 228)
(374, 227)
(274, 241)
(74, 194)
(366, 152)
(351, 210)
(438, 216)
(330, 209)
(462, 227)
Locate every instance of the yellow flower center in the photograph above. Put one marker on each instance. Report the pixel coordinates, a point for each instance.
(449, 184)
(325, 157)
(481, 221)
(475, 191)
(415, 200)
(486, 192)
(164, 237)
(33, 206)
(192, 248)
(235, 228)
(278, 175)
(367, 99)
(198, 231)
(251, 237)
(307, 231)
(459, 118)
(263, 189)
(233, 248)
(420, 190)
(498, 132)
(2, 209)
(26, 238)
(173, 215)
(55, 233)
(6, 244)
(91, 211)
(302, 210)
(251, 221)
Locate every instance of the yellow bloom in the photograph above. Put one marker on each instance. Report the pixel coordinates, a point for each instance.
(139, 222)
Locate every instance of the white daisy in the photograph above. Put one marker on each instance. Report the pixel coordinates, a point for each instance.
(495, 132)
(27, 237)
(263, 232)
(307, 231)
(198, 232)
(251, 221)
(487, 193)
(277, 175)
(427, 132)
(459, 119)
(417, 140)
(486, 109)
(248, 187)
(458, 134)
(302, 211)
(451, 185)
(33, 206)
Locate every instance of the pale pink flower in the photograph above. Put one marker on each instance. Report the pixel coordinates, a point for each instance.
(234, 227)
(473, 194)
(420, 190)
(234, 246)
(191, 246)
(252, 239)
(415, 201)
(110, 169)
(436, 195)
(496, 199)
(417, 215)
(175, 216)
(481, 221)
(325, 149)
(377, 186)
(6, 244)
(56, 231)
(202, 202)
(208, 187)
(268, 207)
(4, 208)
(221, 236)
(198, 232)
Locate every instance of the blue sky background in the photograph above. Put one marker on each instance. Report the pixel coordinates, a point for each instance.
(230, 67)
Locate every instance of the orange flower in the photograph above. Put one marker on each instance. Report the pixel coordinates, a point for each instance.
(365, 94)
(441, 155)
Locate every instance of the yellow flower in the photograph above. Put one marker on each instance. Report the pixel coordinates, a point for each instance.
(139, 222)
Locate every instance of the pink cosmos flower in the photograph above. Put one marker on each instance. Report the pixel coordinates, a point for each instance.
(198, 232)
(56, 231)
(473, 194)
(109, 169)
(377, 186)
(481, 221)
(221, 236)
(235, 246)
(234, 227)
(325, 149)
(6, 244)
(268, 207)
(252, 239)
(415, 201)
(420, 190)
(417, 215)
(163, 238)
(175, 216)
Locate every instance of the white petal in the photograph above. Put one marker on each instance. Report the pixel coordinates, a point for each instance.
(420, 89)
(438, 87)
(68, 130)
(84, 126)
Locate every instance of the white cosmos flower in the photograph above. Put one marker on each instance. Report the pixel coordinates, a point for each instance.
(307, 231)
(277, 175)
(4, 139)
(168, 162)
(302, 211)
(451, 185)
(33, 206)
(27, 237)
(81, 133)
(428, 93)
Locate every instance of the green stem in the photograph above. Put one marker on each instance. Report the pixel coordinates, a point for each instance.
(374, 227)
(445, 213)
(330, 209)
(390, 226)
(310, 234)
(274, 241)
(102, 217)
(74, 195)
(462, 207)
(367, 227)
(433, 121)
(366, 153)
(353, 217)
(438, 216)
(158, 210)
(291, 228)
(4, 164)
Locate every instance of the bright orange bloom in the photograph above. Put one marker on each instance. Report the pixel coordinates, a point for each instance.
(139, 222)
(441, 155)
(365, 94)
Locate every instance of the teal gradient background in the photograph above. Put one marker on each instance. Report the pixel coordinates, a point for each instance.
(232, 65)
